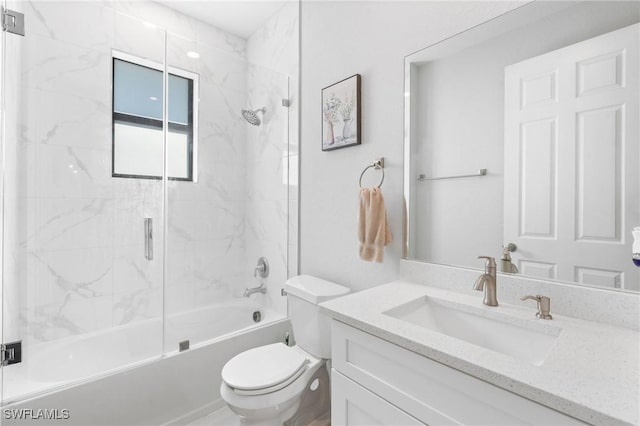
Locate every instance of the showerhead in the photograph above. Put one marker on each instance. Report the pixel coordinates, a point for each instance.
(252, 116)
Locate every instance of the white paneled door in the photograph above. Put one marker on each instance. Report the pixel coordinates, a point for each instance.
(572, 179)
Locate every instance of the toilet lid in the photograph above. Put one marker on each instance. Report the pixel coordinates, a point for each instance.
(263, 367)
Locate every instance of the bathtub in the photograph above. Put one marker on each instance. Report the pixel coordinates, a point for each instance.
(118, 377)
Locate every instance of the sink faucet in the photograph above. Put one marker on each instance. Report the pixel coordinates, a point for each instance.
(487, 282)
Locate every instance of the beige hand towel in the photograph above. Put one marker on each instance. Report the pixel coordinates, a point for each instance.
(373, 227)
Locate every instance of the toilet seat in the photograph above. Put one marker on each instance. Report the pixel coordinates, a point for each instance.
(275, 399)
(264, 369)
(274, 388)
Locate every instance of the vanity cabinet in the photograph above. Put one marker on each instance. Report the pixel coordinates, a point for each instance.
(353, 405)
(377, 382)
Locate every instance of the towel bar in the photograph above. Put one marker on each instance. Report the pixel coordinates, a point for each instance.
(481, 172)
(377, 165)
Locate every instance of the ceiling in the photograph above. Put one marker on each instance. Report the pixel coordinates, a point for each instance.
(238, 17)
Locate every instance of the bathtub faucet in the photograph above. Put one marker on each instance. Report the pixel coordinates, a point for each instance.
(260, 289)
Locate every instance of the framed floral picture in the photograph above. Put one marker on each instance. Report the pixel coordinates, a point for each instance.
(341, 114)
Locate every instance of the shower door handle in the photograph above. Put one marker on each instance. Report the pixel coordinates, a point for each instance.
(148, 238)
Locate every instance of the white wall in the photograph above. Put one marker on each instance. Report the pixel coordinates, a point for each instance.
(339, 39)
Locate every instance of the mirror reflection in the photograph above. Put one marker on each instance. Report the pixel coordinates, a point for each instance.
(522, 144)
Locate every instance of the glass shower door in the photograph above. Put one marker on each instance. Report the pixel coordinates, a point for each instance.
(82, 193)
(232, 209)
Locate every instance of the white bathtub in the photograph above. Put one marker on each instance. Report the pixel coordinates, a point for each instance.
(124, 365)
(200, 324)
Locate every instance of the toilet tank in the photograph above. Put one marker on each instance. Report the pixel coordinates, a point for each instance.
(311, 329)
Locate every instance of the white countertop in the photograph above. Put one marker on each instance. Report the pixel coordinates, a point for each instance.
(592, 372)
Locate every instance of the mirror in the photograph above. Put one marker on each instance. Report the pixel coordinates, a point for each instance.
(521, 143)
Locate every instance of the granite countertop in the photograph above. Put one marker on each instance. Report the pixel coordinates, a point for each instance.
(591, 373)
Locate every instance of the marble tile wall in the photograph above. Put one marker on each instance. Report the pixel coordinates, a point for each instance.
(206, 218)
(74, 252)
(60, 256)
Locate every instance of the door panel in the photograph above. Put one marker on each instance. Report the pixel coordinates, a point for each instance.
(599, 180)
(571, 152)
(538, 179)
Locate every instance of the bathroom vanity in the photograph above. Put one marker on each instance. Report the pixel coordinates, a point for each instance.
(406, 353)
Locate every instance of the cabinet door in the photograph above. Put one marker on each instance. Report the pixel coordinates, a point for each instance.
(431, 392)
(353, 405)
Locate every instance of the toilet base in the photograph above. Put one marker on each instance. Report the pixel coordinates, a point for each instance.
(297, 411)
(273, 417)
(315, 405)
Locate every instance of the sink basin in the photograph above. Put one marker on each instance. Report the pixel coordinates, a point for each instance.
(519, 339)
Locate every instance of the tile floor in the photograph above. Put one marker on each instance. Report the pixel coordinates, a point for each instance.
(221, 417)
(224, 417)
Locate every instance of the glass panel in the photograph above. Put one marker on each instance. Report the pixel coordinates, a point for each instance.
(82, 296)
(137, 120)
(237, 212)
(267, 213)
(178, 155)
(137, 90)
(137, 149)
(179, 99)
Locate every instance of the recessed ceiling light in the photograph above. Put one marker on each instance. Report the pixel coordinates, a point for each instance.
(153, 98)
(192, 54)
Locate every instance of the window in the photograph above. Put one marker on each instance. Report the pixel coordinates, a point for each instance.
(138, 119)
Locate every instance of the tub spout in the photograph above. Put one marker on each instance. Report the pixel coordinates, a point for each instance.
(260, 289)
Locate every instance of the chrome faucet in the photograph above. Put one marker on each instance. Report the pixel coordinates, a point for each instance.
(544, 306)
(487, 282)
(261, 269)
(260, 289)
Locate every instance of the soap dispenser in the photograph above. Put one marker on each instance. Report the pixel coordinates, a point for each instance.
(636, 246)
(505, 262)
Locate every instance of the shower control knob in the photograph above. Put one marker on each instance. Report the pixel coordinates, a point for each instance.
(262, 268)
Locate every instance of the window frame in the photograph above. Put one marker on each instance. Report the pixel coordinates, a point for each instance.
(190, 129)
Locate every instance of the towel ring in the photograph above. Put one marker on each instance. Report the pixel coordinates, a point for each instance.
(378, 165)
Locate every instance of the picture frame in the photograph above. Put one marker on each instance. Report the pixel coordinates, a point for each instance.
(341, 124)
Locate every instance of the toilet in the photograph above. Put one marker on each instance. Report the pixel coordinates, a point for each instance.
(265, 385)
